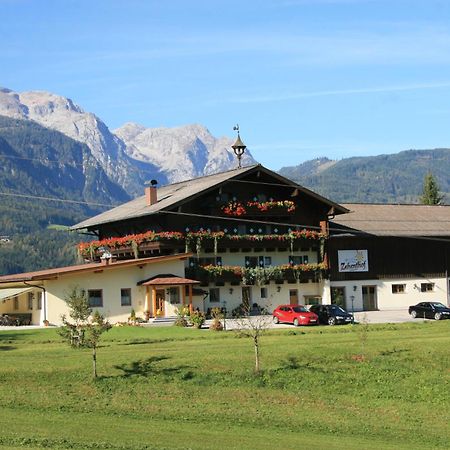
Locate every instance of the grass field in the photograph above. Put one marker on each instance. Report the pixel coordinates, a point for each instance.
(183, 388)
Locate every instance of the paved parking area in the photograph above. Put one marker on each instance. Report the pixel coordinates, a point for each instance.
(391, 316)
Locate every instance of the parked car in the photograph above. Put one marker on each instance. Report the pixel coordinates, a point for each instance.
(430, 310)
(295, 314)
(332, 314)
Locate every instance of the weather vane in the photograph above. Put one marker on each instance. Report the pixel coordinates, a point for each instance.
(238, 147)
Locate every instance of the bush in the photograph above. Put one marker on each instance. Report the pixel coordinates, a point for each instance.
(217, 316)
(182, 312)
(197, 318)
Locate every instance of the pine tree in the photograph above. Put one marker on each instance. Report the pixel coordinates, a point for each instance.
(430, 193)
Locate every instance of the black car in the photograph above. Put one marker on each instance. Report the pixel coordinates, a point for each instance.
(332, 314)
(430, 310)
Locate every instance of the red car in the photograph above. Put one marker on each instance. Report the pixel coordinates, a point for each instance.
(296, 314)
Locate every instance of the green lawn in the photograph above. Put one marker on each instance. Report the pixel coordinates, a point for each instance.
(184, 388)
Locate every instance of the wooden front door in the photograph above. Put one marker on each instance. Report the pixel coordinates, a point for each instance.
(293, 296)
(369, 294)
(160, 301)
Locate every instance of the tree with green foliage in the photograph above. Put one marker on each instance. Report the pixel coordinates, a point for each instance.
(430, 193)
(83, 331)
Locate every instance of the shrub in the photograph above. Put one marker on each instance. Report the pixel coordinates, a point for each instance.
(197, 318)
(217, 316)
(132, 319)
(181, 312)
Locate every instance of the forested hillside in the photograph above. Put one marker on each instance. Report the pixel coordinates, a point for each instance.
(36, 161)
(396, 178)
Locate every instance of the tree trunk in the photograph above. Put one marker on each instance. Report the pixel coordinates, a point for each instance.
(256, 343)
(94, 361)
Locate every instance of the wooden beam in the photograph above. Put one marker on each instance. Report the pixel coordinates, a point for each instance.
(153, 312)
(183, 294)
(147, 299)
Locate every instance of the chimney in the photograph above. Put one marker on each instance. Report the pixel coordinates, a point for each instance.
(151, 195)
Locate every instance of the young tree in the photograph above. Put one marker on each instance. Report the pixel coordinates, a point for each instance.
(254, 327)
(83, 331)
(430, 193)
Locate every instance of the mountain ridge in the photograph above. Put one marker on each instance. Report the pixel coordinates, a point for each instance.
(132, 154)
(385, 178)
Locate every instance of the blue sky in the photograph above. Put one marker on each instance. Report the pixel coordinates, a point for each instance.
(303, 78)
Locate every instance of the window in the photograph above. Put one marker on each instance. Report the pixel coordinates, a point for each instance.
(39, 301)
(206, 261)
(30, 300)
(125, 297)
(398, 288)
(174, 295)
(426, 287)
(95, 298)
(258, 261)
(296, 260)
(267, 261)
(263, 292)
(16, 303)
(312, 299)
(214, 295)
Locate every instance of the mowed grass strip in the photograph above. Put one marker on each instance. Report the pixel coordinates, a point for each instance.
(182, 388)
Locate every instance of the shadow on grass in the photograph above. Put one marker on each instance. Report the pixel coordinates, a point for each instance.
(147, 367)
(294, 363)
(4, 348)
(8, 337)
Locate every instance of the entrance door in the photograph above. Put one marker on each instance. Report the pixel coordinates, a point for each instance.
(160, 301)
(293, 296)
(338, 296)
(369, 294)
(246, 298)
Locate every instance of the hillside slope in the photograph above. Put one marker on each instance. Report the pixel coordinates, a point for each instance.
(40, 162)
(396, 178)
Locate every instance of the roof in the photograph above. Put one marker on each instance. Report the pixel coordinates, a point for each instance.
(171, 195)
(12, 292)
(396, 220)
(50, 274)
(172, 280)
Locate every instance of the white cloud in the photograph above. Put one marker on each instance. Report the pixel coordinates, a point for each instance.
(333, 92)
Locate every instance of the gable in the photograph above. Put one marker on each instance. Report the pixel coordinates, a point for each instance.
(201, 195)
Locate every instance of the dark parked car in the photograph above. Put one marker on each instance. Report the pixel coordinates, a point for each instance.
(430, 310)
(332, 314)
(296, 314)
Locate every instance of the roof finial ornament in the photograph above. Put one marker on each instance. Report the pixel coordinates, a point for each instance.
(238, 147)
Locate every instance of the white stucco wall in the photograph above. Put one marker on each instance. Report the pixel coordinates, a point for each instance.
(387, 300)
(111, 281)
(277, 294)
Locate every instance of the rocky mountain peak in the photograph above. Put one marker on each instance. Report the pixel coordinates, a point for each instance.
(182, 152)
(133, 153)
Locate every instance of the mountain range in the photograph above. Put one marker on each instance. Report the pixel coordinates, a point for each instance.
(395, 178)
(132, 154)
(51, 148)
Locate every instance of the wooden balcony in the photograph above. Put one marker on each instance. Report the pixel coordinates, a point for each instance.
(149, 244)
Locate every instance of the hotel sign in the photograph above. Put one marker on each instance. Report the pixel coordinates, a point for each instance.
(353, 261)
